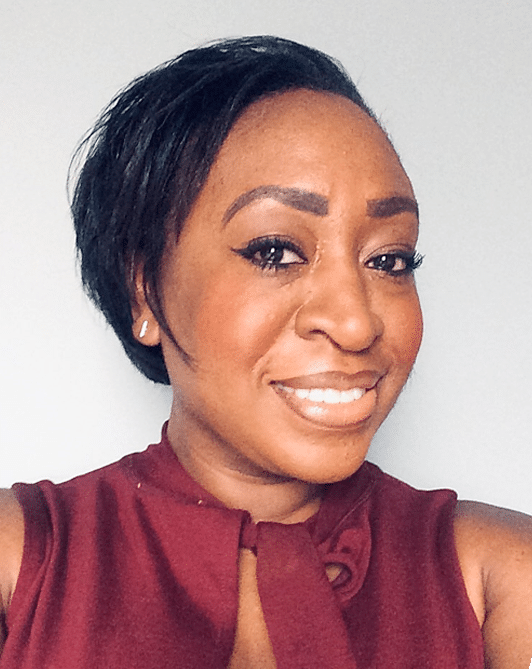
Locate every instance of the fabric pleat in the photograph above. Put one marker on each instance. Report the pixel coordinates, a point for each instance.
(287, 566)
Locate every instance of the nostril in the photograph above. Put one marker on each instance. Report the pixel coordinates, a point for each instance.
(349, 322)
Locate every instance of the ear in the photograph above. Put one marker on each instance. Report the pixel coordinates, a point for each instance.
(146, 329)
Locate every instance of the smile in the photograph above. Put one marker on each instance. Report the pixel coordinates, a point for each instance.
(325, 395)
(331, 399)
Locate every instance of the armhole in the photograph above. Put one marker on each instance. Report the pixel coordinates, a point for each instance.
(460, 605)
(3, 631)
(37, 530)
(472, 585)
(471, 574)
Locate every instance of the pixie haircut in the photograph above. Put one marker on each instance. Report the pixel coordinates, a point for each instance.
(150, 153)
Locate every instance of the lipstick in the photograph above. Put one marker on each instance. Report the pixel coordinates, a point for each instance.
(331, 399)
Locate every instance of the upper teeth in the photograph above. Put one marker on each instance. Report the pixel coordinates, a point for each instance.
(326, 395)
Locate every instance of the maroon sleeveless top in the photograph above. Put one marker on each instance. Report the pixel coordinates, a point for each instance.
(134, 566)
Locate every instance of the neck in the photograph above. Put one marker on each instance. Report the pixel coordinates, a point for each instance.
(266, 496)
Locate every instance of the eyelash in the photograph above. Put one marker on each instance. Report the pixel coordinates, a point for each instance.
(272, 246)
(275, 245)
(411, 262)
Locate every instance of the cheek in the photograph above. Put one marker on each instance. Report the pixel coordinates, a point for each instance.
(236, 324)
(406, 330)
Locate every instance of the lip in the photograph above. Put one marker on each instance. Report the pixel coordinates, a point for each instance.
(336, 414)
(334, 379)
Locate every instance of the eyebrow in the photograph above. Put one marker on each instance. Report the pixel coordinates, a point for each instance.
(391, 206)
(297, 198)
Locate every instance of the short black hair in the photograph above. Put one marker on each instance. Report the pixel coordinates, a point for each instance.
(150, 153)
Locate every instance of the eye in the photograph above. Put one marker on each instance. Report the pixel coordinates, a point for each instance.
(396, 263)
(272, 253)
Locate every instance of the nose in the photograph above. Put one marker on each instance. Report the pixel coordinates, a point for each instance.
(338, 306)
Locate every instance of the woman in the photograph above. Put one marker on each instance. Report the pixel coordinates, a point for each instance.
(249, 232)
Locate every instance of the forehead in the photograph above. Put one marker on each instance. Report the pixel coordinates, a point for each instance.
(314, 141)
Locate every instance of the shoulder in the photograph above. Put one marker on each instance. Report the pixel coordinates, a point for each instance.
(11, 545)
(495, 551)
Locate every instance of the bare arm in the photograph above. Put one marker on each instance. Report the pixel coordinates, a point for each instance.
(495, 550)
(11, 545)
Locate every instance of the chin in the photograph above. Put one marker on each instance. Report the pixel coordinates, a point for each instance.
(325, 468)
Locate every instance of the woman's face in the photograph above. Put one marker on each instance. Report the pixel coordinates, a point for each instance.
(291, 289)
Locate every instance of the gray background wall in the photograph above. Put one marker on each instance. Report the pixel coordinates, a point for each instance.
(452, 82)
